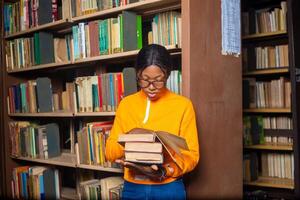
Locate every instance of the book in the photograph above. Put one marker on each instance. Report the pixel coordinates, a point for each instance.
(155, 147)
(146, 137)
(146, 158)
(44, 94)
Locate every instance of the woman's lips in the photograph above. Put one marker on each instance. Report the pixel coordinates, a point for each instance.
(151, 95)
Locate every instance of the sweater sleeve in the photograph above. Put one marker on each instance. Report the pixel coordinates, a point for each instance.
(190, 158)
(113, 149)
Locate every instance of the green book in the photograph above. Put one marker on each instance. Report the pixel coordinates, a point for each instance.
(139, 31)
(37, 57)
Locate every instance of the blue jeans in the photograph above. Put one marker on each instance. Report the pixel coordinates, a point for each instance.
(173, 190)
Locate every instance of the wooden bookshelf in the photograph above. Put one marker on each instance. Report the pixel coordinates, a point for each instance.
(282, 70)
(94, 114)
(100, 168)
(264, 35)
(59, 24)
(258, 53)
(139, 7)
(44, 66)
(270, 147)
(48, 114)
(267, 110)
(273, 183)
(66, 160)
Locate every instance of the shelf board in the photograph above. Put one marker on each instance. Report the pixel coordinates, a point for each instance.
(94, 114)
(270, 147)
(66, 160)
(272, 182)
(282, 70)
(48, 114)
(263, 35)
(267, 110)
(100, 168)
(53, 25)
(138, 7)
(172, 48)
(44, 66)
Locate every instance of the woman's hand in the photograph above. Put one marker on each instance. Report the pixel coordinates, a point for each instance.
(154, 172)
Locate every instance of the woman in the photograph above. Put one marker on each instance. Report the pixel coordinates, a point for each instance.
(154, 107)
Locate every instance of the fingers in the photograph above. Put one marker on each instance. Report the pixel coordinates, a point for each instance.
(154, 167)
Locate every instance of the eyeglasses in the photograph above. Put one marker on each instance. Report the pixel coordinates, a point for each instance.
(146, 83)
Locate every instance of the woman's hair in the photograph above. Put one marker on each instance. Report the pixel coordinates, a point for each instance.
(154, 54)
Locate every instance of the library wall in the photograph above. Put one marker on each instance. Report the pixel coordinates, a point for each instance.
(214, 85)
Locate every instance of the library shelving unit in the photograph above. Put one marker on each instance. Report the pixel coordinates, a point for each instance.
(270, 42)
(205, 82)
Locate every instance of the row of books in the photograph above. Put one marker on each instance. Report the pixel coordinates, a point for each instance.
(267, 94)
(255, 130)
(35, 183)
(91, 141)
(27, 52)
(98, 93)
(278, 123)
(265, 20)
(34, 141)
(279, 140)
(25, 14)
(109, 188)
(279, 165)
(94, 38)
(272, 57)
(113, 35)
(166, 29)
(83, 7)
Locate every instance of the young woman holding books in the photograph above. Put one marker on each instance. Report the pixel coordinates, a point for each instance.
(156, 108)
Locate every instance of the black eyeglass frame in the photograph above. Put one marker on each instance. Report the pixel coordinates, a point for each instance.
(151, 82)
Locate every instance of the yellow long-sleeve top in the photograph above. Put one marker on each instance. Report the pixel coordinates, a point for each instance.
(171, 113)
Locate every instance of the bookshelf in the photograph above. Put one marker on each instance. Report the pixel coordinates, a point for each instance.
(272, 183)
(209, 71)
(268, 110)
(270, 147)
(265, 35)
(267, 71)
(261, 69)
(59, 24)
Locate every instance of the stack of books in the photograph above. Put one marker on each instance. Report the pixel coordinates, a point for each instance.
(146, 146)
(142, 148)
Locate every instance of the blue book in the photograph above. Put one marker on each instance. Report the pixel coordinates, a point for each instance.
(91, 144)
(41, 183)
(17, 94)
(112, 91)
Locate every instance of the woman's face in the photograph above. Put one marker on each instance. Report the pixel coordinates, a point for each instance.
(152, 80)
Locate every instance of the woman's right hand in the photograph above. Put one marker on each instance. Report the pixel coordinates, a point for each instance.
(154, 172)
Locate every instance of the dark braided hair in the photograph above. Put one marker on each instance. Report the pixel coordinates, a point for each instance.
(154, 54)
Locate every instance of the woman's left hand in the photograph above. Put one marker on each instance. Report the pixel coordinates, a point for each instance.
(154, 172)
